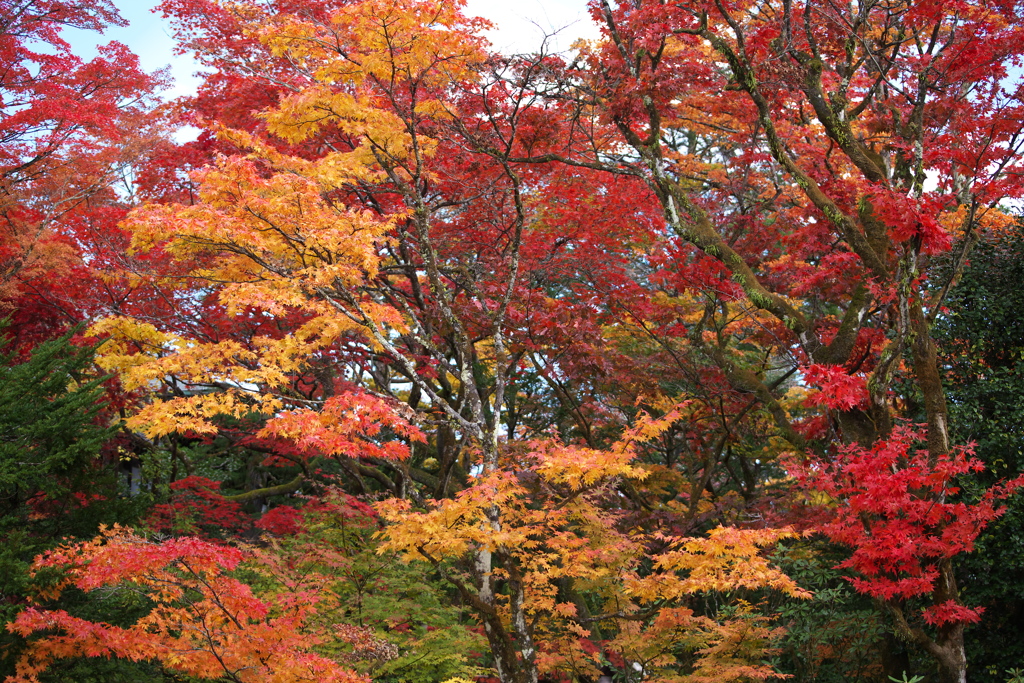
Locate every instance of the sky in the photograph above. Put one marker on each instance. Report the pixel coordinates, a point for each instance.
(520, 26)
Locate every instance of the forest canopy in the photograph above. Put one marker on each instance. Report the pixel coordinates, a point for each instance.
(690, 354)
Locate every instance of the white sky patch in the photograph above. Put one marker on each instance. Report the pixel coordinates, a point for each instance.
(523, 25)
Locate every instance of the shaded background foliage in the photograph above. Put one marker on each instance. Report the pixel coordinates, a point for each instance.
(982, 338)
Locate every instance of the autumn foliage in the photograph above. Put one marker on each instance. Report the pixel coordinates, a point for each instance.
(203, 623)
(70, 132)
(435, 363)
(902, 517)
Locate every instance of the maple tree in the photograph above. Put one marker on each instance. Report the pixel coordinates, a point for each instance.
(204, 622)
(70, 132)
(533, 543)
(858, 142)
(446, 328)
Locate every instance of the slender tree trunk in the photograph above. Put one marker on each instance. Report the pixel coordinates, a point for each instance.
(511, 645)
(948, 647)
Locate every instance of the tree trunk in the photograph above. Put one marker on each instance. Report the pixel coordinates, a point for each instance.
(512, 646)
(947, 648)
